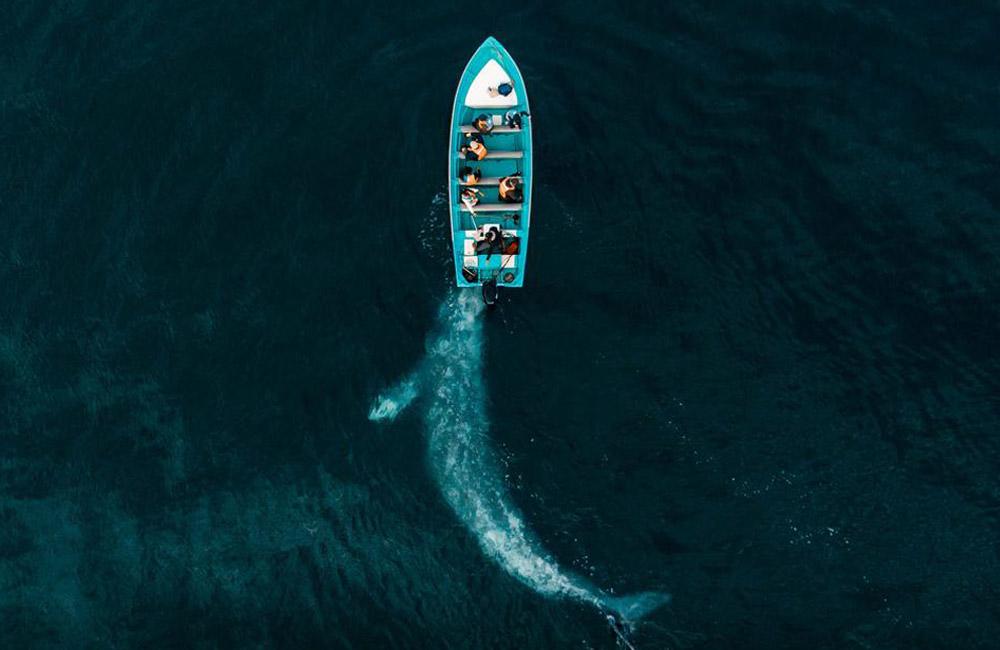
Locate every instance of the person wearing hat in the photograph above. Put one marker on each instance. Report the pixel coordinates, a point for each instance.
(483, 124)
(502, 90)
(470, 176)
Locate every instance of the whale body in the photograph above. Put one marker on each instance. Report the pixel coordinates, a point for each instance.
(464, 465)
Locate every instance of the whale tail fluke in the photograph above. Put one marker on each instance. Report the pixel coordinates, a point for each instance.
(633, 607)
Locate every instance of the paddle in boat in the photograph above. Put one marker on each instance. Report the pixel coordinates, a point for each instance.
(489, 172)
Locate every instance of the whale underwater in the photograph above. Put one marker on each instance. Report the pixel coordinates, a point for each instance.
(461, 458)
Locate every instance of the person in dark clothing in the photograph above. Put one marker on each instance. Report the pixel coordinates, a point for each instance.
(470, 176)
(475, 149)
(503, 90)
(492, 242)
(513, 119)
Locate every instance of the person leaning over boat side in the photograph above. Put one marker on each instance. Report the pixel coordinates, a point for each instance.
(513, 119)
(475, 150)
(511, 190)
(470, 176)
(483, 124)
(470, 198)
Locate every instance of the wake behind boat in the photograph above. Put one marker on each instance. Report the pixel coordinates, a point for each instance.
(489, 172)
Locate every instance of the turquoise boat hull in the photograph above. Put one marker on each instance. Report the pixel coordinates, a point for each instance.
(508, 152)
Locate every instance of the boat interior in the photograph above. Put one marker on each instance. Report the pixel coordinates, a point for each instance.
(505, 156)
(484, 255)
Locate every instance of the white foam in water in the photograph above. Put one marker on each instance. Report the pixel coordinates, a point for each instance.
(462, 459)
(394, 402)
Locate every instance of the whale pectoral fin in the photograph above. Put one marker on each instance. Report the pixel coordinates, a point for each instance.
(394, 401)
(634, 607)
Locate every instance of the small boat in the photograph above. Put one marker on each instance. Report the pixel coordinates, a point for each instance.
(489, 172)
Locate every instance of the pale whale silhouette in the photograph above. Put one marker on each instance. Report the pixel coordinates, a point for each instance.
(461, 457)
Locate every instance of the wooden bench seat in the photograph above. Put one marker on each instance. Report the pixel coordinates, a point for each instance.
(468, 128)
(485, 180)
(496, 155)
(494, 207)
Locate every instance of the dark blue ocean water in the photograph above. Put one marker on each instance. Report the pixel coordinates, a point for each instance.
(754, 364)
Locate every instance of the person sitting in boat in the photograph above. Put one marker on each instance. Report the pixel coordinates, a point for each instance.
(492, 242)
(503, 90)
(470, 176)
(470, 198)
(513, 119)
(511, 189)
(475, 150)
(483, 124)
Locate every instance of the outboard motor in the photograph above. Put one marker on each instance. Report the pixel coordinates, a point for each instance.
(490, 292)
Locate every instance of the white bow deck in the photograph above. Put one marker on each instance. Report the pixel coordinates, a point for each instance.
(490, 76)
